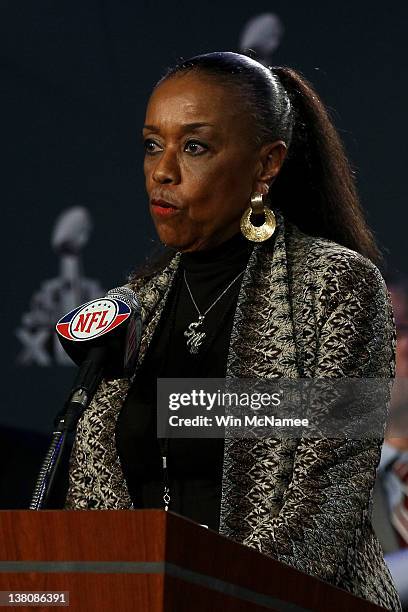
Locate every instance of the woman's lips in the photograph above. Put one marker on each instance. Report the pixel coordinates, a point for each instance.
(161, 208)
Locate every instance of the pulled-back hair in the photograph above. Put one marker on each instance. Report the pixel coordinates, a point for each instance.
(315, 188)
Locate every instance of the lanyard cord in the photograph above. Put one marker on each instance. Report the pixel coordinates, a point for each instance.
(164, 443)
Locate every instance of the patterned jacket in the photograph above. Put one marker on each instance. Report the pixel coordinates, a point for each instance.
(308, 307)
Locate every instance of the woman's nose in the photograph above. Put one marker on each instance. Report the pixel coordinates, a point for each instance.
(167, 168)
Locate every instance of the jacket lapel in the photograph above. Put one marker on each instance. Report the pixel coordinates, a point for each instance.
(262, 346)
(262, 339)
(153, 296)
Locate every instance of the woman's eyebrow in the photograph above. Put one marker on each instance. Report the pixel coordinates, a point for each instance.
(187, 127)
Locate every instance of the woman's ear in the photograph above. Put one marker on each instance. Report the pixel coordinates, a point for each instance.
(271, 158)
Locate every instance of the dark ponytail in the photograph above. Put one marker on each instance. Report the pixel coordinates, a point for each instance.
(316, 187)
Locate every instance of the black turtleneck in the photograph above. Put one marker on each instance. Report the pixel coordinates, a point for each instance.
(194, 465)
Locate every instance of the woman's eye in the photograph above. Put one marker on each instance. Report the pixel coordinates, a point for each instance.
(150, 146)
(195, 148)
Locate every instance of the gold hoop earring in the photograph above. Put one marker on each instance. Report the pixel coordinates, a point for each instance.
(264, 231)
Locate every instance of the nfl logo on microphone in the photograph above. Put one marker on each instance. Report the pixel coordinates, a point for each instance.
(93, 319)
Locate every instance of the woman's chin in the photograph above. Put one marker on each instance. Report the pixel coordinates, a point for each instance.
(172, 240)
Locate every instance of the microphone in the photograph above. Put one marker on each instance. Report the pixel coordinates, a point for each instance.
(103, 338)
(112, 322)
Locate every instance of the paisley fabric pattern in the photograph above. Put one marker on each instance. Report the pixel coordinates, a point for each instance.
(307, 308)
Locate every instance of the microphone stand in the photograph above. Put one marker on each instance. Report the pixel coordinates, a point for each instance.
(86, 383)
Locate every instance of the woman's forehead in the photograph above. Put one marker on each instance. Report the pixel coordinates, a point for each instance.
(191, 98)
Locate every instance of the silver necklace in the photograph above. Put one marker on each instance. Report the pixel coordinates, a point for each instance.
(193, 334)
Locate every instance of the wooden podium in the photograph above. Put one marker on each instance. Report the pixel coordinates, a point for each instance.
(151, 560)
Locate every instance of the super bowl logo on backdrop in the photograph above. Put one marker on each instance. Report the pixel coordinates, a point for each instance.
(36, 333)
(93, 319)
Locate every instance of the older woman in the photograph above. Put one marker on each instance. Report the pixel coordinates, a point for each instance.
(268, 272)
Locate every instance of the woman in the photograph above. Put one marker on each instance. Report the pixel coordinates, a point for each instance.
(226, 137)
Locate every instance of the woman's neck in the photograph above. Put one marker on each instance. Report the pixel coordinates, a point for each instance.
(233, 250)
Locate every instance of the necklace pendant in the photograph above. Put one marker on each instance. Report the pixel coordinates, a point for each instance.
(194, 337)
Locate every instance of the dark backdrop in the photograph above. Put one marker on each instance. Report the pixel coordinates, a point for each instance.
(75, 79)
